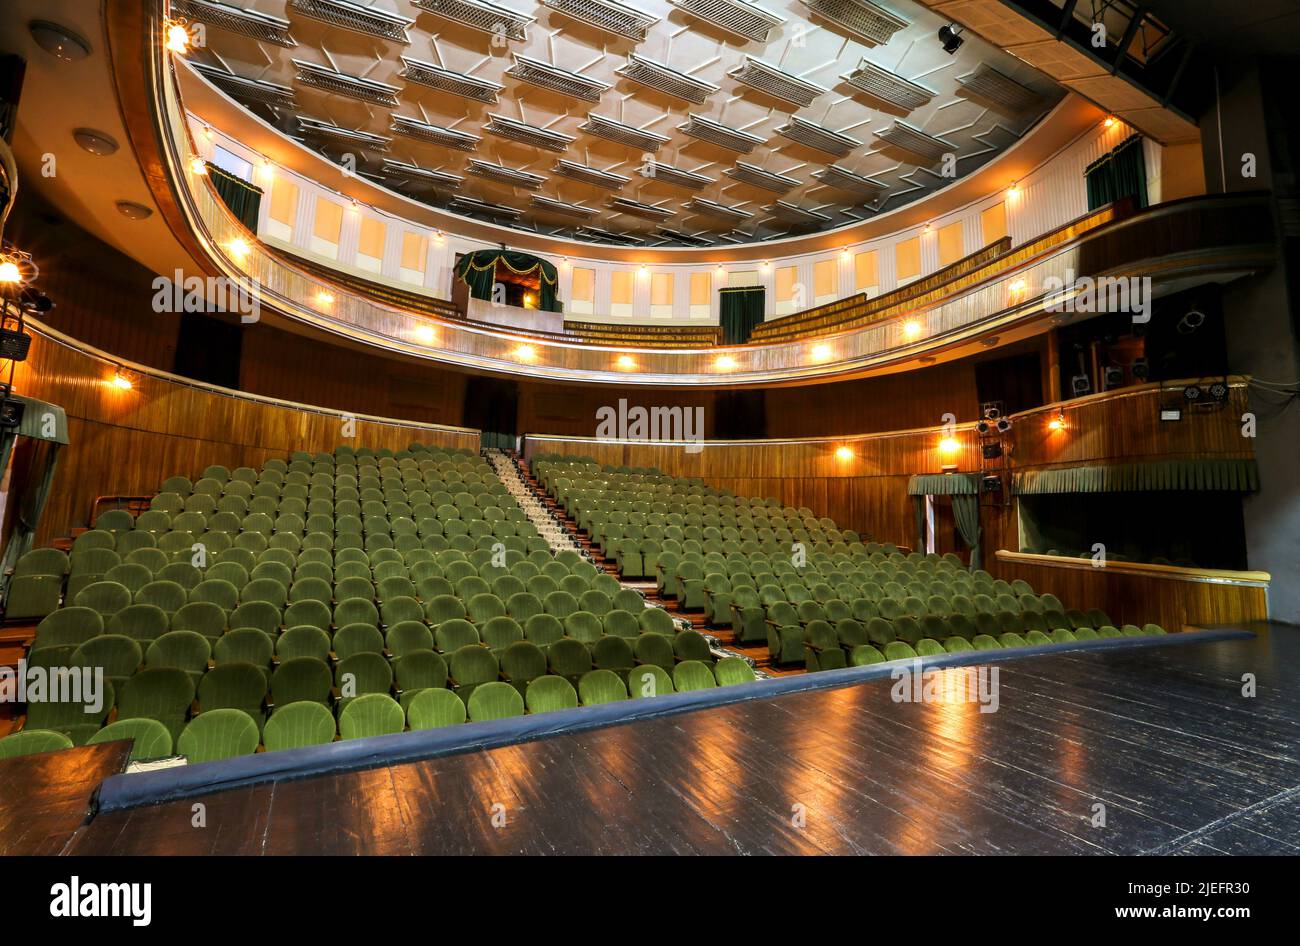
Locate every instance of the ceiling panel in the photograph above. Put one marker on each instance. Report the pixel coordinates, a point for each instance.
(717, 121)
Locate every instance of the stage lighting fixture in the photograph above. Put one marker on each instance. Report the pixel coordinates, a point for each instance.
(14, 345)
(1081, 384)
(991, 410)
(992, 450)
(1114, 376)
(950, 36)
(992, 484)
(11, 412)
(983, 427)
(1192, 393)
(1141, 369)
(1218, 391)
(1003, 425)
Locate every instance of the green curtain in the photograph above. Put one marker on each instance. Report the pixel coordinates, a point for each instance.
(943, 484)
(1216, 474)
(918, 510)
(41, 421)
(966, 510)
(478, 271)
(740, 310)
(243, 199)
(1121, 172)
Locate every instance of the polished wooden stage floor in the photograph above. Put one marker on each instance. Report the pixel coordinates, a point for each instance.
(1163, 738)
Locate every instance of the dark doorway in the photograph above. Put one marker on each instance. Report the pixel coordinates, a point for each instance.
(491, 404)
(208, 349)
(739, 415)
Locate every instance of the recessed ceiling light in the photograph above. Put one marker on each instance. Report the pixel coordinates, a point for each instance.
(96, 142)
(133, 211)
(58, 40)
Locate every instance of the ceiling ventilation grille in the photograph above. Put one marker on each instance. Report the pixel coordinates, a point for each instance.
(339, 83)
(590, 175)
(434, 134)
(424, 175)
(656, 75)
(543, 74)
(471, 205)
(989, 84)
(505, 175)
(860, 17)
(606, 15)
(560, 207)
(793, 214)
(916, 141)
(504, 127)
(349, 16)
(819, 138)
(247, 90)
(444, 80)
(734, 16)
(733, 139)
(480, 15)
(888, 87)
(260, 26)
(679, 237)
(624, 134)
(760, 178)
(597, 235)
(768, 79)
(715, 209)
(637, 209)
(671, 175)
(846, 180)
(315, 128)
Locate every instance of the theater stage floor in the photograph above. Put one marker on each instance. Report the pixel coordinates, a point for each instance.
(1162, 737)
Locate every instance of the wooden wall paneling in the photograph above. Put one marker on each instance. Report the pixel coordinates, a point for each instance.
(127, 442)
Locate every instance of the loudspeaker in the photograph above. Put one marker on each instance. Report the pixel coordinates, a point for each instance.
(992, 450)
(1114, 377)
(992, 484)
(1081, 384)
(11, 413)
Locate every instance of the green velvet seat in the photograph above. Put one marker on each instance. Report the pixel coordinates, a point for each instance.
(150, 739)
(434, 708)
(32, 742)
(601, 686)
(496, 700)
(218, 734)
(548, 692)
(693, 675)
(371, 714)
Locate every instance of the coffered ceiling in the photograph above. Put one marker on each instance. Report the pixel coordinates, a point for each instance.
(671, 122)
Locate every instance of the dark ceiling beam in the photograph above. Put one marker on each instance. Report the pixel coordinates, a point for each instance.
(1130, 33)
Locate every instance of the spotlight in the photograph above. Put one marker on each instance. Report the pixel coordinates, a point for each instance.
(950, 36)
(97, 143)
(1141, 369)
(991, 451)
(10, 274)
(14, 345)
(11, 412)
(58, 41)
(844, 453)
(1081, 384)
(177, 37)
(1113, 376)
(1003, 425)
(133, 211)
(992, 484)
(983, 427)
(1218, 391)
(991, 410)
(1192, 393)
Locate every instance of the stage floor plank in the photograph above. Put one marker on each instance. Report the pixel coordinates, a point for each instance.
(1163, 738)
(45, 798)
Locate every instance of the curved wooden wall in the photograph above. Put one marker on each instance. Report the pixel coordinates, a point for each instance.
(127, 442)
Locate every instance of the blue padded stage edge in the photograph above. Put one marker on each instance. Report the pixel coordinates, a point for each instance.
(149, 788)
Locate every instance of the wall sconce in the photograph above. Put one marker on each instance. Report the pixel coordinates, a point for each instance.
(425, 335)
(1109, 122)
(844, 454)
(239, 248)
(626, 362)
(912, 329)
(121, 381)
(1057, 422)
(725, 363)
(525, 352)
(177, 37)
(822, 352)
(324, 298)
(949, 446)
(1014, 190)
(197, 167)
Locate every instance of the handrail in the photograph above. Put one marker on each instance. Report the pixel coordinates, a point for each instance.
(1217, 576)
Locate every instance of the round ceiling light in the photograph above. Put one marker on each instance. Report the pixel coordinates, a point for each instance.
(133, 211)
(96, 142)
(58, 41)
